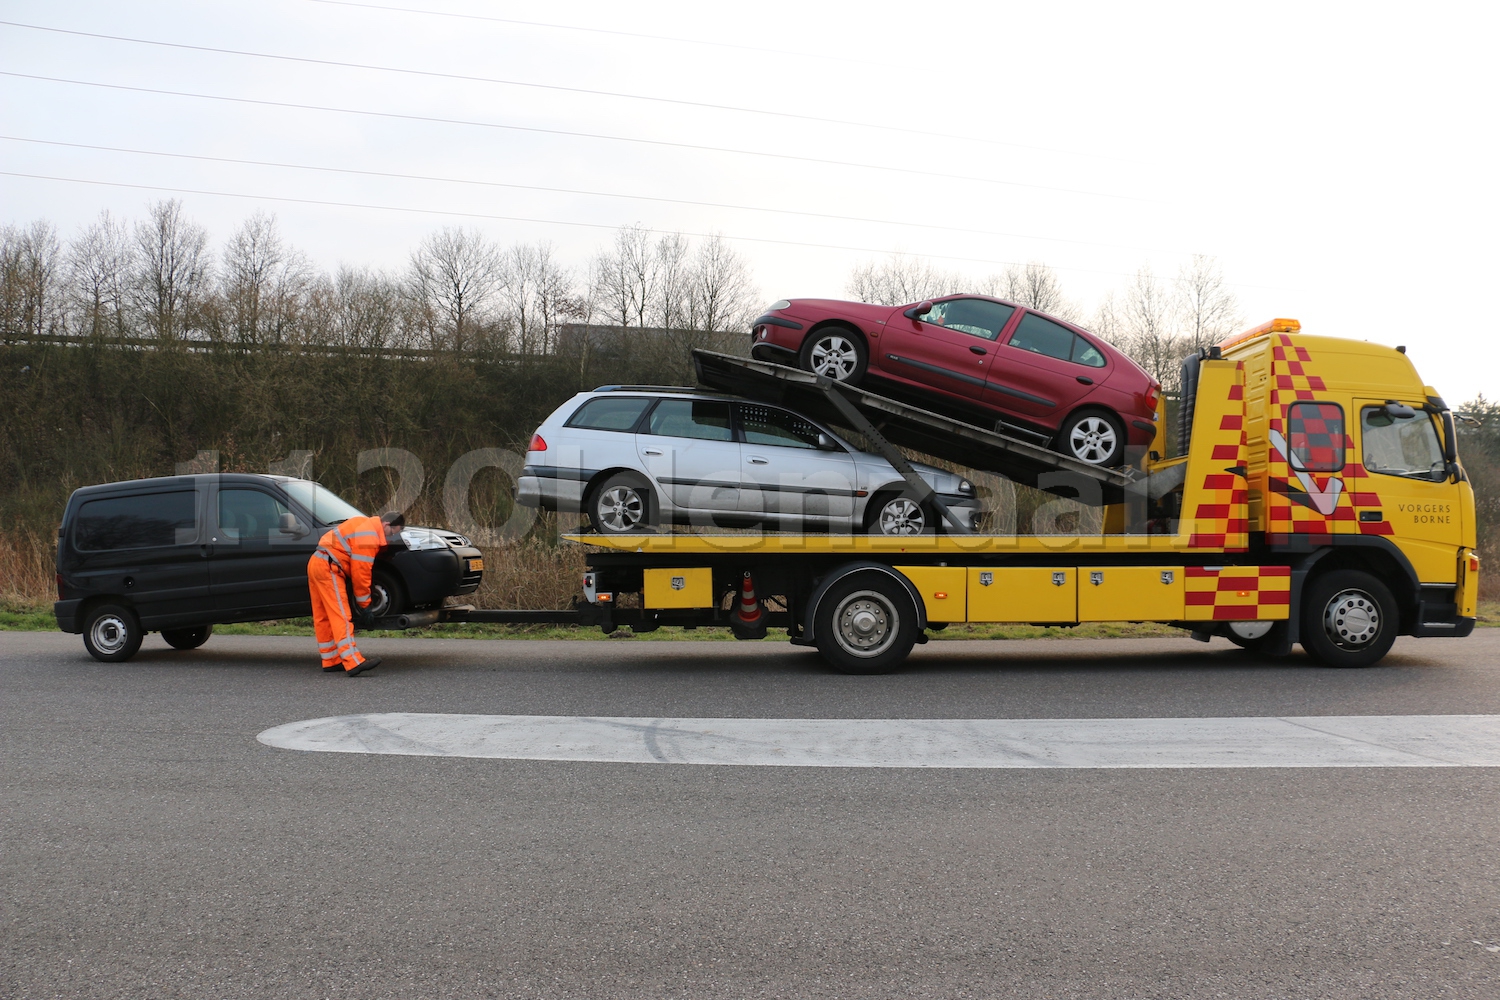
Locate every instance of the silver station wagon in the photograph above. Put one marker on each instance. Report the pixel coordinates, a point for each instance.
(631, 457)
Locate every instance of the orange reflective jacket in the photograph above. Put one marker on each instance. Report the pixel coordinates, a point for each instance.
(351, 547)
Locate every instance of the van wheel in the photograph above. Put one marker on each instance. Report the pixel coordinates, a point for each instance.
(865, 624)
(1349, 620)
(187, 638)
(387, 595)
(1094, 437)
(622, 503)
(112, 634)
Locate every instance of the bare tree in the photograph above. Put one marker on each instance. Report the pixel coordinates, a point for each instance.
(673, 282)
(1208, 309)
(30, 259)
(98, 275)
(1036, 286)
(263, 282)
(171, 270)
(722, 296)
(1146, 315)
(537, 293)
(454, 278)
(899, 279)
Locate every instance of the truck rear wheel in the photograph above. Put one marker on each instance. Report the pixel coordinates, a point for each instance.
(1349, 619)
(865, 624)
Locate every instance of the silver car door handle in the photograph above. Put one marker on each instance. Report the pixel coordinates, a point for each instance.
(759, 461)
(650, 451)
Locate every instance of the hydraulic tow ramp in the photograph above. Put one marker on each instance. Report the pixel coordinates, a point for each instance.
(889, 423)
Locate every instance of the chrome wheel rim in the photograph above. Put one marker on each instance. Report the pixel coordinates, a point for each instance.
(866, 624)
(902, 517)
(109, 633)
(1092, 440)
(620, 508)
(834, 356)
(1352, 619)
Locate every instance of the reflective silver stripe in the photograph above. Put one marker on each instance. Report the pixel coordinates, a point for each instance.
(339, 537)
(338, 593)
(360, 558)
(357, 534)
(331, 656)
(362, 598)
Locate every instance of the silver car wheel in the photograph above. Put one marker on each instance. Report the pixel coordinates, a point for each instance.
(110, 634)
(834, 356)
(866, 623)
(1351, 619)
(620, 508)
(901, 516)
(1092, 440)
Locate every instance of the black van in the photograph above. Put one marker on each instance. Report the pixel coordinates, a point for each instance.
(181, 555)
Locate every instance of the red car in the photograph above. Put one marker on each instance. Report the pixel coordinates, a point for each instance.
(1027, 372)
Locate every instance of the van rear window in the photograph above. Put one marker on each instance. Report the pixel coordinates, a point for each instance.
(145, 520)
(609, 413)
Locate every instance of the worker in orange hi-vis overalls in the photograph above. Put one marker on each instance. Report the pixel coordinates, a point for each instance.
(346, 555)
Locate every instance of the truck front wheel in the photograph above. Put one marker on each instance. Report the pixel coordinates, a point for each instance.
(865, 624)
(1349, 619)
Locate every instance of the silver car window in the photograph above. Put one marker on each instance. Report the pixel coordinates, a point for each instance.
(609, 413)
(769, 426)
(703, 419)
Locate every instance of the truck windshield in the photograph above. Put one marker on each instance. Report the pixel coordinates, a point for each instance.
(1401, 446)
(325, 505)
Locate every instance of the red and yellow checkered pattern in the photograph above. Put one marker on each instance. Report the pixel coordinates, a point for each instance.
(1218, 509)
(1287, 514)
(1238, 593)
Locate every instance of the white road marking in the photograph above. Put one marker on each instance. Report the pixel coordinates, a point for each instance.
(1317, 741)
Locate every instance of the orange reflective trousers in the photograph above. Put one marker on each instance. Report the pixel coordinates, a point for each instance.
(345, 555)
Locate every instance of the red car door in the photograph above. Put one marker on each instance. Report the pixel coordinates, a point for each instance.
(949, 349)
(1043, 369)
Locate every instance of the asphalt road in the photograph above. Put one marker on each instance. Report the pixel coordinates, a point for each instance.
(151, 847)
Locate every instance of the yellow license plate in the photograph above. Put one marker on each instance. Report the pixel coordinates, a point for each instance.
(476, 565)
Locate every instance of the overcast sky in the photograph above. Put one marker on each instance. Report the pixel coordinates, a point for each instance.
(1337, 159)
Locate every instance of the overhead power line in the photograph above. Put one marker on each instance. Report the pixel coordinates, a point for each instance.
(465, 78)
(574, 191)
(910, 171)
(677, 39)
(534, 221)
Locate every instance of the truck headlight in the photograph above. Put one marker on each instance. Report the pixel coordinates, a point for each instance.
(422, 539)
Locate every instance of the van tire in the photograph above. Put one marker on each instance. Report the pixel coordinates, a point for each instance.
(187, 638)
(1349, 619)
(387, 595)
(111, 633)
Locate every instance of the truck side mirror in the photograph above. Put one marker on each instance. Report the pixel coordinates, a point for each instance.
(289, 525)
(919, 310)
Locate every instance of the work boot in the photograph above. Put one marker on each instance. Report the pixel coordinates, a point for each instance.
(336, 665)
(369, 664)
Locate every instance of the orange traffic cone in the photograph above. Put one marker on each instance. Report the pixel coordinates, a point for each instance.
(749, 622)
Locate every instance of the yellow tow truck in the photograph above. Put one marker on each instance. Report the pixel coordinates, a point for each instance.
(1317, 499)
